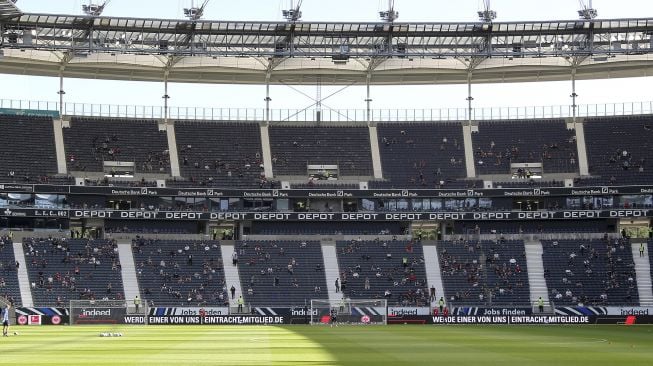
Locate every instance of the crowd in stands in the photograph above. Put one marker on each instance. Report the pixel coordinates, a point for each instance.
(28, 153)
(423, 155)
(90, 142)
(8, 271)
(188, 273)
(590, 272)
(484, 272)
(280, 272)
(497, 146)
(61, 270)
(378, 269)
(294, 148)
(220, 154)
(618, 150)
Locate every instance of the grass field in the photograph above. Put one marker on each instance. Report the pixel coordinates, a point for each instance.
(320, 345)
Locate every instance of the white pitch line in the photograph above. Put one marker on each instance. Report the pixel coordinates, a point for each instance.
(573, 343)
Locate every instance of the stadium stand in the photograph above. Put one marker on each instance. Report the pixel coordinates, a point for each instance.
(281, 272)
(529, 183)
(61, 270)
(177, 272)
(327, 228)
(28, 153)
(91, 141)
(393, 270)
(484, 272)
(324, 185)
(422, 155)
(619, 150)
(219, 154)
(533, 227)
(293, 148)
(539, 141)
(8, 272)
(151, 227)
(590, 272)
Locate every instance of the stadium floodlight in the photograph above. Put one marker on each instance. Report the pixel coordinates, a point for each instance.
(487, 15)
(391, 14)
(195, 12)
(94, 10)
(293, 14)
(587, 12)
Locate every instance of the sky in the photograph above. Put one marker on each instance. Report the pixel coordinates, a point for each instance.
(386, 97)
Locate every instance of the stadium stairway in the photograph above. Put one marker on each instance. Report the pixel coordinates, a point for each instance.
(643, 272)
(376, 153)
(432, 264)
(23, 279)
(58, 125)
(128, 272)
(469, 150)
(231, 275)
(331, 268)
(267, 151)
(172, 148)
(535, 265)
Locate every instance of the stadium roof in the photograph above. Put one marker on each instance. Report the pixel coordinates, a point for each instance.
(332, 53)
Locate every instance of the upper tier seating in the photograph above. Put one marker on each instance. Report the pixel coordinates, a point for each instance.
(619, 150)
(61, 270)
(293, 148)
(500, 143)
(280, 272)
(91, 141)
(219, 154)
(28, 150)
(590, 272)
(187, 273)
(473, 271)
(370, 268)
(8, 274)
(421, 155)
(523, 183)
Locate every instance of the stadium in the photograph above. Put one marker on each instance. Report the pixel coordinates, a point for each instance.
(271, 234)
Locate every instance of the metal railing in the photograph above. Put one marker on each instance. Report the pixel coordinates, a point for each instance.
(333, 115)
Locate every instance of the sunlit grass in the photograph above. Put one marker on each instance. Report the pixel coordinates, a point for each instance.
(321, 345)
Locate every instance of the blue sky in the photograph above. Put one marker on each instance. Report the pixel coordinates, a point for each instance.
(231, 96)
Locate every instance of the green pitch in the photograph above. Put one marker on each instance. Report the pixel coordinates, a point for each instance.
(321, 345)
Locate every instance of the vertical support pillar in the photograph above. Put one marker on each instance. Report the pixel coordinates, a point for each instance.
(573, 95)
(368, 99)
(318, 101)
(470, 99)
(61, 92)
(165, 96)
(267, 99)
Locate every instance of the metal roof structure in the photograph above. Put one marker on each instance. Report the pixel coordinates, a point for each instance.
(244, 52)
